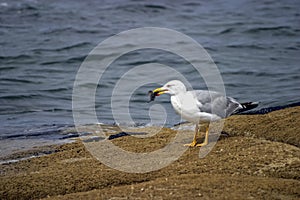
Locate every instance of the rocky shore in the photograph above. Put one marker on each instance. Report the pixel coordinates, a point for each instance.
(257, 158)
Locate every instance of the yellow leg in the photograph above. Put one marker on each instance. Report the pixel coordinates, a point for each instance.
(205, 139)
(194, 143)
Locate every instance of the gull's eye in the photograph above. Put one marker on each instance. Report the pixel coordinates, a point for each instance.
(169, 85)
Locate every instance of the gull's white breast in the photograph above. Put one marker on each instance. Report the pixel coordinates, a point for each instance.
(186, 105)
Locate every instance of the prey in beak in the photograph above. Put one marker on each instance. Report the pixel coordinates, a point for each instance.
(155, 93)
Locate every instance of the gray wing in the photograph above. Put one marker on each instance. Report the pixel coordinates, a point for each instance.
(216, 103)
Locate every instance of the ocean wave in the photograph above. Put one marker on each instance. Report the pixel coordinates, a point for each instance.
(19, 96)
(254, 73)
(61, 30)
(16, 57)
(141, 7)
(249, 46)
(155, 6)
(7, 68)
(227, 30)
(64, 48)
(275, 30)
(71, 60)
(60, 89)
(17, 80)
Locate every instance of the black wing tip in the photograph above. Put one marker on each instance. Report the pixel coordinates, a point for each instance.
(249, 106)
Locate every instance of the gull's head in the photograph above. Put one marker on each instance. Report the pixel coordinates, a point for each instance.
(173, 87)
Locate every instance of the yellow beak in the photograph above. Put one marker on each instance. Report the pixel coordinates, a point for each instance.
(160, 91)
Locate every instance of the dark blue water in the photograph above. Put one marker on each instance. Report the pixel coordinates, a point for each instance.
(255, 44)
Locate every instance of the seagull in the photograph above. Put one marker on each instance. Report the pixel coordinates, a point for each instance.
(201, 106)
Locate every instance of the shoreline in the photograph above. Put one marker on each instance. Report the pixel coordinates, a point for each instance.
(63, 136)
(260, 158)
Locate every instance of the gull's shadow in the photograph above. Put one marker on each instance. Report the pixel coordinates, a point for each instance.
(224, 134)
(123, 134)
(215, 137)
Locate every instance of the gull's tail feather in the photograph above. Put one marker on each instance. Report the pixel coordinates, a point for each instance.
(247, 106)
